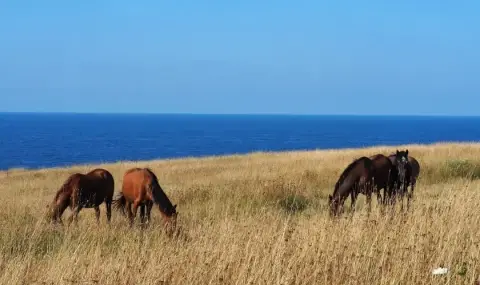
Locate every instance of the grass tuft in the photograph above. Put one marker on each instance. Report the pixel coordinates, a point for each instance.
(294, 203)
(461, 168)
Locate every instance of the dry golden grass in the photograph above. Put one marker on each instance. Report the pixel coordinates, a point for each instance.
(254, 219)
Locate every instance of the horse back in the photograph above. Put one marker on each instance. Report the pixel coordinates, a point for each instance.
(100, 175)
(381, 162)
(100, 181)
(383, 167)
(392, 157)
(369, 170)
(136, 184)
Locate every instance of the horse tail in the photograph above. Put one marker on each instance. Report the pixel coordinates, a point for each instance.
(119, 203)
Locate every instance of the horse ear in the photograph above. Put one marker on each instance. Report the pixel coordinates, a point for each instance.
(397, 151)
(406, 152)
(330, 197)
(175, 206)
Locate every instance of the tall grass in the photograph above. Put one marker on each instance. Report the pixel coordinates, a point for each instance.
(254, 219)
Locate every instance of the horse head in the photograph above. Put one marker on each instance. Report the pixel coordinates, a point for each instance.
(401, 163)
(50, 212)
(333, 204)
(170, 220)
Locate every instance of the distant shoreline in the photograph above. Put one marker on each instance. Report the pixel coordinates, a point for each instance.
(240, 114)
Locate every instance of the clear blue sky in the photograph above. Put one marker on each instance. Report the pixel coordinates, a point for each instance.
(298, 57)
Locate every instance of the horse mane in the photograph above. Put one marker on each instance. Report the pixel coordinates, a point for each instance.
(155, 182)
(65, 185)
(351, 165)
(155, 179)
(159, 195)
(347, 170)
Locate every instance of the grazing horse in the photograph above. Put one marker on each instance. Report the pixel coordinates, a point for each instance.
(141, 189)
(415, 172)
(83, 191)
(408, 170)
(355, 179)
(384, 170)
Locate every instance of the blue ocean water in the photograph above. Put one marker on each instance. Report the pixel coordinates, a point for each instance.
(48, 140)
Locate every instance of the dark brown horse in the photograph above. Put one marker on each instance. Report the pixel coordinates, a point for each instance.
(141, 189)
(83, 191)
(408, 170)
(415, 172)
(355, 179)
(384, 170)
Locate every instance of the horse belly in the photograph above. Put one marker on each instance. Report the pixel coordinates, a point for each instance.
(381, 178)
(90, 200)
(134, 192)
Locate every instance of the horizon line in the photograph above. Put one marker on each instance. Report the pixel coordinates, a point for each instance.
(232, 114)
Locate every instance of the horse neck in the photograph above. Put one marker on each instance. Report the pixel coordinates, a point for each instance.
(69, 185)
(342, 188)
(160, 198)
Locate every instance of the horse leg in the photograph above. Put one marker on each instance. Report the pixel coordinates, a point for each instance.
(386, 194)
(393, 194)
(142, 214)
(128, 205)
(108, 205)
(136, 204)
(97, 214)
(380, 198)
(379, 195)
(149, 211)
(409, 195)
(353, 198)
(389, 193)
(57, 212)
(412, 188)
(74, 216)
(369, 202)
(402, 194)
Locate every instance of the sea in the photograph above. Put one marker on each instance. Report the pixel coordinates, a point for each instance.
(41, 140)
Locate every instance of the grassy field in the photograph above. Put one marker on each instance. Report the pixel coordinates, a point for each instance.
(253, 219)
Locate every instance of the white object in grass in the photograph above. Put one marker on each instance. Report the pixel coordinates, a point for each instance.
(440, 271)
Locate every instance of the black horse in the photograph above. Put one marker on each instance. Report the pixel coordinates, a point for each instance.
(355, 179)
(384, 171)
(406, 174)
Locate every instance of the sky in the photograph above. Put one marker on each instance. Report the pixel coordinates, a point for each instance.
(242, 57)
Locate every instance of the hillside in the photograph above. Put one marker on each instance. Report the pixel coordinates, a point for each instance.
(252, 219)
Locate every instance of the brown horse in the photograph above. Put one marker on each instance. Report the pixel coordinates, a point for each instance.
(355, 179)
(408, 170)
(83, 191)
(141, 189)
(382, 179)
